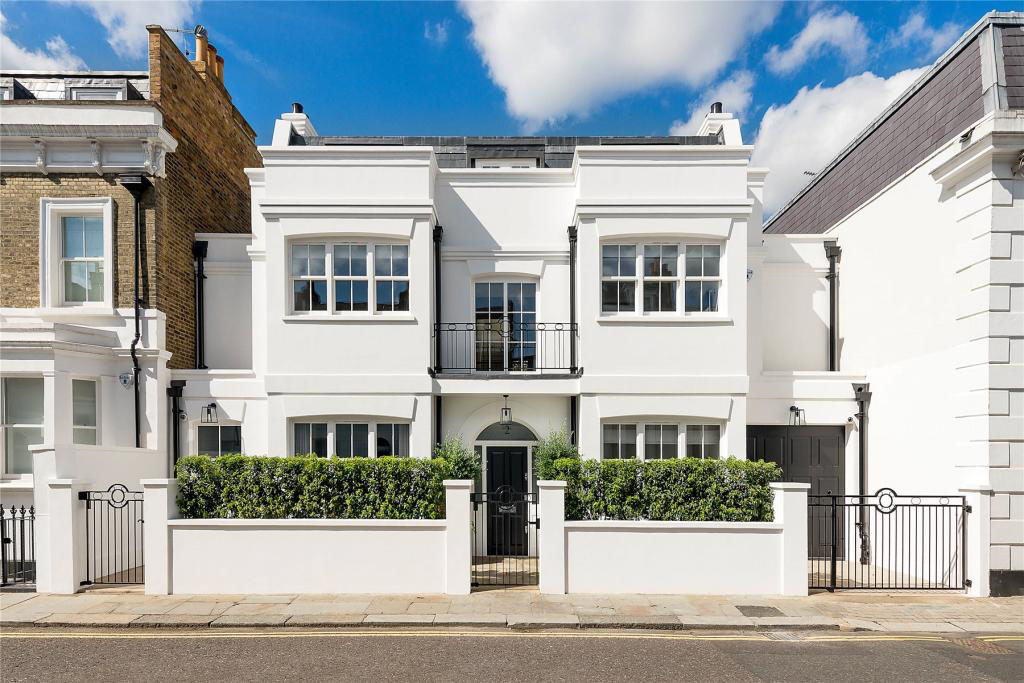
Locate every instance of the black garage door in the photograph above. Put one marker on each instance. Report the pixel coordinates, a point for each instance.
(813, 455)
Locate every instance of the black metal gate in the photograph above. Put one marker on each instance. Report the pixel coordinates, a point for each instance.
(18, 547)
(113, 536)
(505, 527)
(887, 542)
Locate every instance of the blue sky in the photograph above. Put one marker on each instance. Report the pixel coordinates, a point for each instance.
(506, 69)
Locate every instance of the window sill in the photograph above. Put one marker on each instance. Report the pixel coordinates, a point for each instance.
(703, 319)
(362, 318)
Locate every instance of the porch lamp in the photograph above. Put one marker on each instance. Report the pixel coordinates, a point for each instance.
(506, 416)
(210, 414)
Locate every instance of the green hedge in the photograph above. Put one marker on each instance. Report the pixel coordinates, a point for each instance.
(685, 489)
(303, 487)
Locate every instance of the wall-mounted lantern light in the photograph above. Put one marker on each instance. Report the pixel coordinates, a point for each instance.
(210, 414)
(506, 416)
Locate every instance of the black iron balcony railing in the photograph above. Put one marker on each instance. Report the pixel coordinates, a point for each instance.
(506, 347)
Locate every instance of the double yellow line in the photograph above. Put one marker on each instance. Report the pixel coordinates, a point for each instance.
(381, 633)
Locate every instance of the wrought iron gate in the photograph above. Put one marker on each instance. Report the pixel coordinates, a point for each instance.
(114, 550)
(17, 545)
(887, 541)
(504, 532)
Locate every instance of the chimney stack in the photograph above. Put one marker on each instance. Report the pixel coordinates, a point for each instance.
(716, 107)
(296, 108)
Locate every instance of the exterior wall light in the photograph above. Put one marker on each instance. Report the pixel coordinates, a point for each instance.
(506, 416)
(210, 414)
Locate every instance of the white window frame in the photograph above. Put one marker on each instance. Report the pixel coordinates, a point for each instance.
(680, 279)
(505, 162)
(703, 278)
(115, 93)
(4, 425)
(199, 424)
(704, 424)
(636, 438)
(51, 275)
(332, 422)
(371, 278)
(681, 426)
(96, 393)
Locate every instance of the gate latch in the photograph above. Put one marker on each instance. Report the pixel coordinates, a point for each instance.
(535, 522)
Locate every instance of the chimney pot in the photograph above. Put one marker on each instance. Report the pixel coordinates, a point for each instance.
(716, 107)
(296, 107)
(201, 41)
(220, 68)
(211, 60)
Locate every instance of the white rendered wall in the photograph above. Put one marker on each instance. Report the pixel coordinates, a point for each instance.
(228, 301)
(326, 556)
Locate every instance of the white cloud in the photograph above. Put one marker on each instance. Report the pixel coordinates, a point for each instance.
(734, 93)
(126, 20)
(807, 132)
(841, 31)
(935, 40)
(436, 32)
(557, 59)
(56, 56)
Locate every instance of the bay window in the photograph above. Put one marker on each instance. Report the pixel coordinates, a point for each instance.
(349, 277)
(21, 421)
(83, 412)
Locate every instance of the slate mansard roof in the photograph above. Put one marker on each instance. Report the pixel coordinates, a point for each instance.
(945, 101)
(462, 151)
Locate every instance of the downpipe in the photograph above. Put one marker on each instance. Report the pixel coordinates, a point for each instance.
(863, 397)
(136, 184)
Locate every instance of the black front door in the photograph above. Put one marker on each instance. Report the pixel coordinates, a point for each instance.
(812, 454)
(507, 504)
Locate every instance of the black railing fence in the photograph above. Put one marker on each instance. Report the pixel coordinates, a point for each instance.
(504, 346)
(18, 531)
(887, 542)
(504, 532)
(114, 551)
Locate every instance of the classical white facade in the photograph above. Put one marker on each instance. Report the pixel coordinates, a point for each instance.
(477, 262)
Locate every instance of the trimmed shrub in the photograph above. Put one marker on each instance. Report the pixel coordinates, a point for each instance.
(463, 463)
(685, 489)
(555, 446)
(304, 487)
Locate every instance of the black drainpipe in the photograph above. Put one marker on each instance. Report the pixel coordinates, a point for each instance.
(863, 396)
(573, 419)
(572, 298)
(438, 234)
(136, 184)
(439, 435)
(199, 249)
(834, 253)
(174, 392)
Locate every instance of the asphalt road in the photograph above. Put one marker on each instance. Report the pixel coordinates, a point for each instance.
(148, 655)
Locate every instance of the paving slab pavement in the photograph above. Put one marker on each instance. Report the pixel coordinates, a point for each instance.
(526, 609)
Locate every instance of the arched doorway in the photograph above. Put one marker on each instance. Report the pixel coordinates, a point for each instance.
(505, 507)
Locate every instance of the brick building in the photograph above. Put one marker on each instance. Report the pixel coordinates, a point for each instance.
(77, 151)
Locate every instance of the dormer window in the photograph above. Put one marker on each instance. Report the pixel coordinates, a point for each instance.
(96, 94)
(505, 163)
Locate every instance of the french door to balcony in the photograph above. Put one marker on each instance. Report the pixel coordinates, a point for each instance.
(506, 326)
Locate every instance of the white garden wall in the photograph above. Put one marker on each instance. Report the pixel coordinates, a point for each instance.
(239, 556)
(703, 558)
(308, 556)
